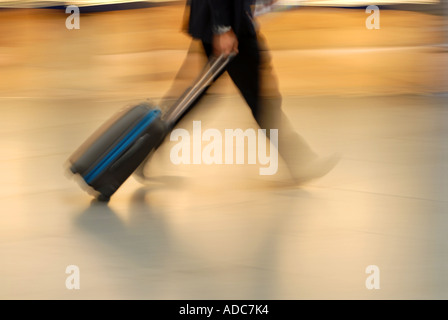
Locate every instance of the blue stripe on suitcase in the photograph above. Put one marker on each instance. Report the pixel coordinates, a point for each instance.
(120, 147)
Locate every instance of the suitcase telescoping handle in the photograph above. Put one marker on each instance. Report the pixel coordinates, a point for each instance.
(215, 66)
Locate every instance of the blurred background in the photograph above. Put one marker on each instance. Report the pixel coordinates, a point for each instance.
(377, 96)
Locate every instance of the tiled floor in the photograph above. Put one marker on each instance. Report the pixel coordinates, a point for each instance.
(220, 231)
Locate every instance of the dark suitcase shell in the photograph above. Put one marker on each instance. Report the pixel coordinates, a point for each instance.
(113, 152)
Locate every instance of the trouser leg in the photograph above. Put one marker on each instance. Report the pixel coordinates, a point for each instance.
(252, 72)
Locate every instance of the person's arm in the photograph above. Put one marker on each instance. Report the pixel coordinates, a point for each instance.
(224, 39)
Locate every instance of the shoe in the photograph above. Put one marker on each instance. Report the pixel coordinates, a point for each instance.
(314, 169)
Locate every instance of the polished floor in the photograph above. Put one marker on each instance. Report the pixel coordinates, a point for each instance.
(223, 231)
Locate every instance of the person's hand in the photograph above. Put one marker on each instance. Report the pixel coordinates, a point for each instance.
(225, 43)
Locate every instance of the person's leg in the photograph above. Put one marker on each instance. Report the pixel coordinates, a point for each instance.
(193, 63)
(293, 148)
(252, 72)
(302, 161)
(243, 70)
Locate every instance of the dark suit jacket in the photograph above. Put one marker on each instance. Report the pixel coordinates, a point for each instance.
(205, 14)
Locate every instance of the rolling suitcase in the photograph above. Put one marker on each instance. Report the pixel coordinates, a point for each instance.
(113, 152)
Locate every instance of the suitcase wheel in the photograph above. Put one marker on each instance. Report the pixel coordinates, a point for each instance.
(105, 192)
(103, 198)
